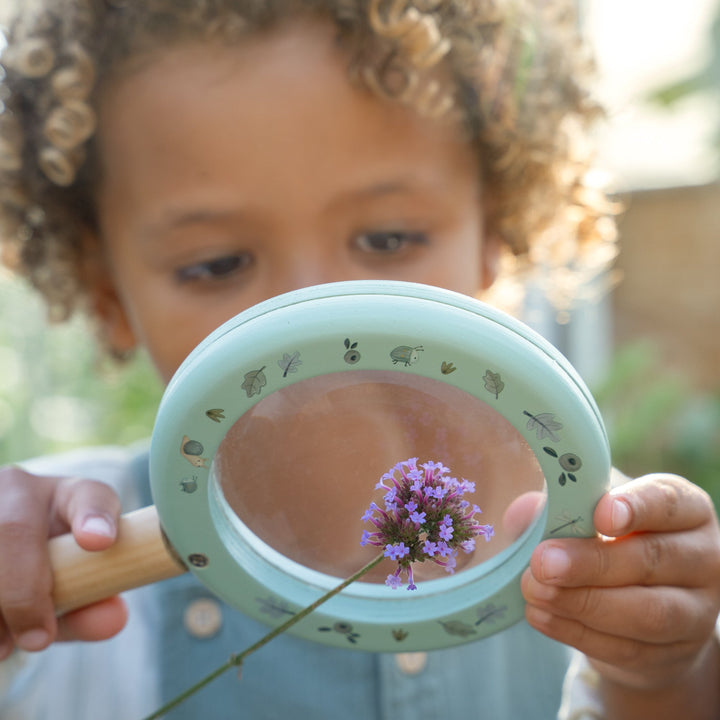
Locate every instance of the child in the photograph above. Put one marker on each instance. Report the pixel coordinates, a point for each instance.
(167, 164)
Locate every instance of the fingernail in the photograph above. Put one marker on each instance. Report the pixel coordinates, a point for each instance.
(537, 616)
(33, 640)
(554, 563)
(98, 525)
(620, 515)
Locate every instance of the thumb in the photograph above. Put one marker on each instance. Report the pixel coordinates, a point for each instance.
(90, 509)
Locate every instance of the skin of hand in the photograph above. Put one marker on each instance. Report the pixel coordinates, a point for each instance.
(90, 510)
(641, 599)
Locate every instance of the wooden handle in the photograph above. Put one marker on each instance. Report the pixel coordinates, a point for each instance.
(139, 557)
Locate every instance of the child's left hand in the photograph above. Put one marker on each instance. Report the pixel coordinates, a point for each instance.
(641, 601)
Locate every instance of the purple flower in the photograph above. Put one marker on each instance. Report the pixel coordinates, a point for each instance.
(469, 545)
(487, 531)
(396, 551)
(425, 517)
(369, 512)
(411, 584)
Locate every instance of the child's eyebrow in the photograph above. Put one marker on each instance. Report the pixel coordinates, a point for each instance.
(385, 188)
(177, 218)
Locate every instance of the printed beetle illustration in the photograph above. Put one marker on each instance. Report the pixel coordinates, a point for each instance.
(406, 355)
(191, 450)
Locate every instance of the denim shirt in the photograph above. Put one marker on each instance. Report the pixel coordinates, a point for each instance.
(515, 674)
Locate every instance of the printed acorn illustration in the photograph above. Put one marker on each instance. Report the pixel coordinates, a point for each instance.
(189, 485)
(191, 450)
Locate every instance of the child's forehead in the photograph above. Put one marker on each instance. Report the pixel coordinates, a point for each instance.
(222, 114)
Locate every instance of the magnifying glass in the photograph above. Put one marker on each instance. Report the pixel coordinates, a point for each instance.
(272, 436)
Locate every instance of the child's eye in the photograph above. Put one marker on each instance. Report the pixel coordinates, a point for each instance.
(388, 242)
(215, 269)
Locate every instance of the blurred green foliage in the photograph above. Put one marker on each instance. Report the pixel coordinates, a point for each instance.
(57, 392)
(658, 422)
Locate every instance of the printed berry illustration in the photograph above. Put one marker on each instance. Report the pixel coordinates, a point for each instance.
(344, 628)
(569, 462)
(352, 356)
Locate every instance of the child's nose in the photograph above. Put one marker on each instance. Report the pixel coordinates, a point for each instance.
(303, 270)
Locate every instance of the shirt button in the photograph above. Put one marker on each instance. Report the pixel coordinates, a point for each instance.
(203, 618)
(411, 663)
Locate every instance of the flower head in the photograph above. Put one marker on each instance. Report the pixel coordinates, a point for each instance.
(425, 517)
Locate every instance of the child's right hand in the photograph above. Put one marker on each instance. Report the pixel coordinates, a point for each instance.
(33, 509)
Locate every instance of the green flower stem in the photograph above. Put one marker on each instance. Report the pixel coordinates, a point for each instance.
(237, 660)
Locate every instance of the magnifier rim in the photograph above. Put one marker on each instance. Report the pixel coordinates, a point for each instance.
(443, 612)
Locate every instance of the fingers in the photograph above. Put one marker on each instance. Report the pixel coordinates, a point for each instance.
(33, 509)
(25, 576)
(642, 597)
(99, 621)
(678, 559)
(665, 503)
(652, 615)
(658, 530)
(635, 661)
(521, 512)
(91, 509)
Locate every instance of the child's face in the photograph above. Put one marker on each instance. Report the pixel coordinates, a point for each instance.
(230, 175)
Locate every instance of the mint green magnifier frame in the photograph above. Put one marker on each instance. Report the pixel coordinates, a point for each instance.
(248, 358)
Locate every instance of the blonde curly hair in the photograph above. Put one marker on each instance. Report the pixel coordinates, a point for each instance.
(514, 74)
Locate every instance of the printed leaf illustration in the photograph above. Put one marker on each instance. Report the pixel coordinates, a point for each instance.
(544, 425)
(216, 414)
(447, 367)
(490, 613)
(493, 383)
(290, 363)
(255, 381)
(456, 627)
(274, 607)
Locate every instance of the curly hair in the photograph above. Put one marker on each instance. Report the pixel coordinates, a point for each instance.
(513, 73)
